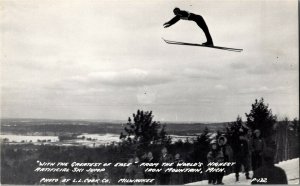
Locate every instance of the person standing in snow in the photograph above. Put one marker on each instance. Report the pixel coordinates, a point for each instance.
(241, 154)
(215, 155)
(150, 175)
(177, 177)
(164, 178)
(268, 173)
(258, 146)
(227, 152)
(130, 170)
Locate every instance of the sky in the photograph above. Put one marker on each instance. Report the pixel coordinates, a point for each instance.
(104, 59)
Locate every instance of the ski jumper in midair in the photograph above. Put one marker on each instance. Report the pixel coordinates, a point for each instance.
(185, 15)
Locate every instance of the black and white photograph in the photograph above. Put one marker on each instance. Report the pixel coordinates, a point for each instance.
(142, 92)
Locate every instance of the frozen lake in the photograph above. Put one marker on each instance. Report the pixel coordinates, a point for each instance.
(20, 138)
(85, 139)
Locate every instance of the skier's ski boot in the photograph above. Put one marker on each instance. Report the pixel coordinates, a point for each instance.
(208, 43)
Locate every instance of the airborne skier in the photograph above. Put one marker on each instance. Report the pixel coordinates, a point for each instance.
(185, 15)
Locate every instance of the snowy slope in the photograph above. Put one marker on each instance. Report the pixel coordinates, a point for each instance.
(291, 168)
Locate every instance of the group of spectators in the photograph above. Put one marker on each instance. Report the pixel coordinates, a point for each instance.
(246, 149)
(135, 171)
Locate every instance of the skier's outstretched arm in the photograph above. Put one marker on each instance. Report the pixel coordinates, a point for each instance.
(172, 21)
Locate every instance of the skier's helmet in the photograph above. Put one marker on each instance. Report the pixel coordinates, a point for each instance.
(176, 10)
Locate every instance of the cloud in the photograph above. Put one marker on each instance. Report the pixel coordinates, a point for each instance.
(93, 58)
(272, 67)
(126, 78)
(220, 87)
(264, 89)
(239, 65)
(196, 73)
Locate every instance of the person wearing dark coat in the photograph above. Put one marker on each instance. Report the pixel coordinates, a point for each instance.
(241, 155)
(258, 146)
(164, 178)
(227, 152)
(268, 173)
(226, 148)
(185, 15)
(177, 178)
(130, 170)
(134, 171)
(150, 175)
(215, 155)
(139, 172)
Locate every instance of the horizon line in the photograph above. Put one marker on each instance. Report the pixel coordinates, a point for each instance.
(116, 120)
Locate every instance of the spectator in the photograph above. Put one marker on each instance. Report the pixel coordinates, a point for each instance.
(164, 178)
(150, 158)
(268, 173)
(177, 178)
(258, 145)
(214, 155)
(227, 152)
(250, 142)
(150, 175)
(241, 154)
(130, 170)
(225, 148)
(139, 173)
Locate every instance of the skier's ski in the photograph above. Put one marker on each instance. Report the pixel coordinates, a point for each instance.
(195, 44)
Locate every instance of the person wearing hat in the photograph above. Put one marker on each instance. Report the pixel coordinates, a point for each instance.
(214, 155)
(241, 154)
(258, 146)
(225, 148)
(164, 177)
(177, 178)
(227, 152)
(130, 170)
(268, 173)
(185, 15)
(139, 172)
(150, 175)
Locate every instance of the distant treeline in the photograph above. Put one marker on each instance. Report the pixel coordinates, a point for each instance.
(57, 127)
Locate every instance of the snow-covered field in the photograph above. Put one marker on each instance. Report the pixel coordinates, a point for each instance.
(291, 168)
(20, 138)
(95, 139)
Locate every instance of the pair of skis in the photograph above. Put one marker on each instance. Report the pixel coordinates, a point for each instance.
(195, 44)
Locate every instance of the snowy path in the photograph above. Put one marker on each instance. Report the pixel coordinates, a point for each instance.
(291, 168)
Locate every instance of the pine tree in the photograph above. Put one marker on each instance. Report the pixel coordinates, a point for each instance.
(234, 130)
(201, 147)
(141, 131)
(261, 117)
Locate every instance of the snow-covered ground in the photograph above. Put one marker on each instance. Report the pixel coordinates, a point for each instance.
(291, 168)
